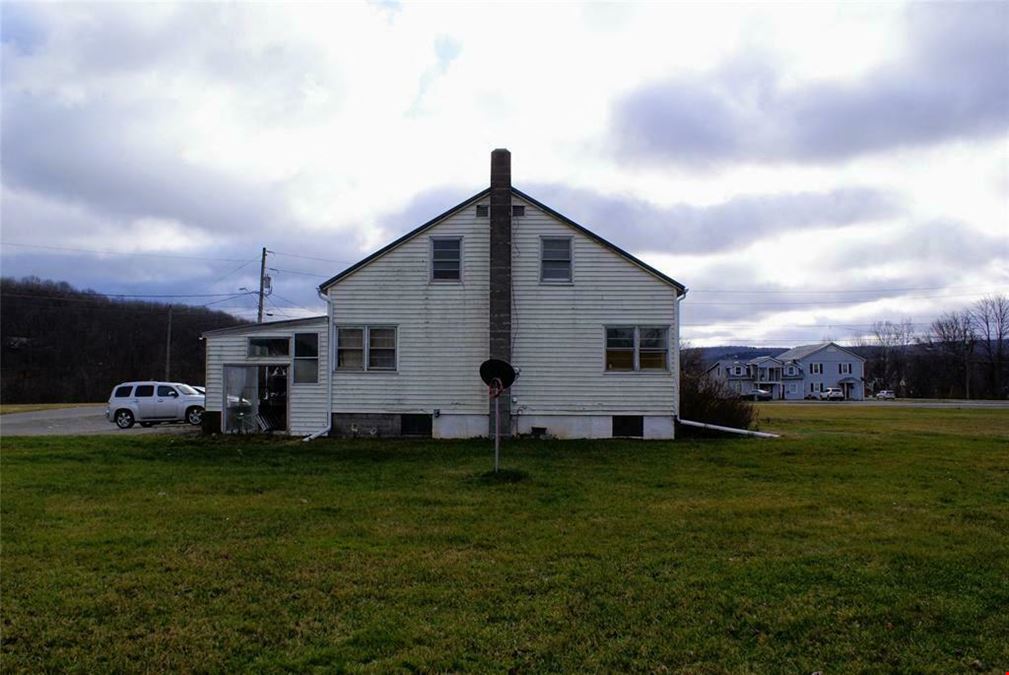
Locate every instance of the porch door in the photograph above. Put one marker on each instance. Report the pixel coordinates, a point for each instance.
(255, 399)
(241, 399)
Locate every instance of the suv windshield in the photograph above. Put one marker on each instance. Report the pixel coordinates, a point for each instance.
(187, 390)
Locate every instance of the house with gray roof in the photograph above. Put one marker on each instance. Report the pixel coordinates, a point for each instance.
(800, 372)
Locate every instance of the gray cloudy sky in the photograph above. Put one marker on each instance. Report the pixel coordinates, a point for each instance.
(804, 170)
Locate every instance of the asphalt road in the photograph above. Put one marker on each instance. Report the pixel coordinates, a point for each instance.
(79, 421)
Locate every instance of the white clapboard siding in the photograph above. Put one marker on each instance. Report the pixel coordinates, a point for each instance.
(306, 402)
(559, 330)
(442, 327)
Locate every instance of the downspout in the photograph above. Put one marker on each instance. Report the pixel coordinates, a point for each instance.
(731, 430)
(676, 364)
(329, 372)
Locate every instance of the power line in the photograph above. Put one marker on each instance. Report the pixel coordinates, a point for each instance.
(310, 257)
(828, 290)
(119, 253)
(306, 274)
(814, 303)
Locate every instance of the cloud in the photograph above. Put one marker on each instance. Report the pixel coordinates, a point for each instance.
(950, 84)
(640, 226)
(86, 154)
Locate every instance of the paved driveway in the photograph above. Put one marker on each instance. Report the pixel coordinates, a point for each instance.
(80, 421)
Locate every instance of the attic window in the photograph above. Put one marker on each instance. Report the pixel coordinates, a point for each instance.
(446, 259)
(482, 211)
(555, 259)
(518, 210)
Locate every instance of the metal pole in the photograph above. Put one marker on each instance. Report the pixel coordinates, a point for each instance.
(168, 348)
(497, 430)
(262, 277)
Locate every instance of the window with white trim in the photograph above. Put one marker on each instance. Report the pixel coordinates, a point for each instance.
(737, 370)
(269, 346)
(306, 358)
(791, 370)
(366, 348)
(446, 258)
(816, 369)
(555, 259)
(844, 368)
(637, 348)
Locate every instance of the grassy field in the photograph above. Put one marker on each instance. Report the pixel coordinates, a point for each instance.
(867, 539)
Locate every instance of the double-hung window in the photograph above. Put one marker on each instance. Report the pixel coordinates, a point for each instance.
(306, 358)
(446, 258)
(366, 348)
(555, 259)
(844, 368)
(637, 348)
(816, 369)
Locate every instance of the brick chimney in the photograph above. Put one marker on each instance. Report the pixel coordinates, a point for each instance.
(501, 272)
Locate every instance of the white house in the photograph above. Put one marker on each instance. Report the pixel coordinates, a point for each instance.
(593, 330)
(796, 373)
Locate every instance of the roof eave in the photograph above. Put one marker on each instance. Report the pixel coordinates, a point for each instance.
(681, 290)
(402, 240)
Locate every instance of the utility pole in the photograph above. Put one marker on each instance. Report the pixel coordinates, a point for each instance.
(168, 348)
(262, 280)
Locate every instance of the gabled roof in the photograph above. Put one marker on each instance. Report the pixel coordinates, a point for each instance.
(803, 351)
(267, 326)
(761, 359)
(680, 288)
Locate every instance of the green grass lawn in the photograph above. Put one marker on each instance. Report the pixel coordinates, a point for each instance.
(868, 539)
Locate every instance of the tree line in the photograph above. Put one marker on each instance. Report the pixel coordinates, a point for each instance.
(60, 344)
(960, 354)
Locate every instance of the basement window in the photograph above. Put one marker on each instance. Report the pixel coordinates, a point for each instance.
(628, 426)
(415, 425)
(482, 211)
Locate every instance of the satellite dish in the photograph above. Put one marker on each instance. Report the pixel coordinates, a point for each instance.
(496, 369)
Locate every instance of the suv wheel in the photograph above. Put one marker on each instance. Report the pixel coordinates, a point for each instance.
(124, 419)
(194, 415)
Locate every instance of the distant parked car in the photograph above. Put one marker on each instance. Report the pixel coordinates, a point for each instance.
(757, 395)
(885, 394)
(152, 403)
(832, 394)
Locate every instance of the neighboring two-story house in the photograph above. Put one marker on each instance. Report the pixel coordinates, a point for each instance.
(802, 372)
(593, 330)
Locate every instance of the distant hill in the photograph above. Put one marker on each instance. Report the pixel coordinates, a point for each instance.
(737, 353)
(60, 344)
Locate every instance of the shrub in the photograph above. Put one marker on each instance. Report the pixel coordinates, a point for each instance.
(703, 399)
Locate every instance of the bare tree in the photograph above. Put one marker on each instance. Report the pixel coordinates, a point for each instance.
(893, 341)
(953, 334)
(990, 319)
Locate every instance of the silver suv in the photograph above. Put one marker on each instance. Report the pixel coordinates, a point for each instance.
(832, 394)
(151, 403)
